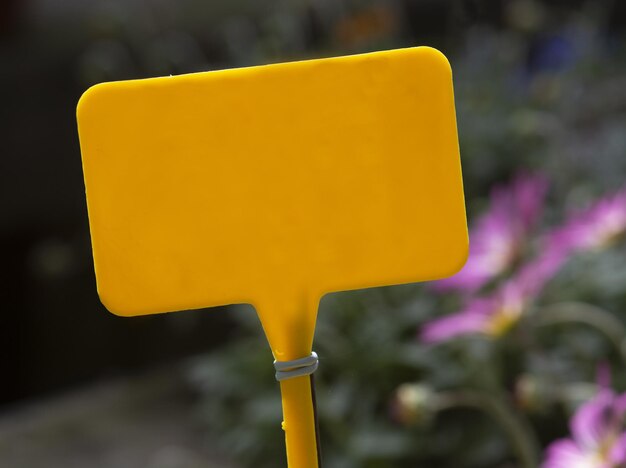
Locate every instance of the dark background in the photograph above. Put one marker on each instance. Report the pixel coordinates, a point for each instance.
(53, 330)
(54, 333)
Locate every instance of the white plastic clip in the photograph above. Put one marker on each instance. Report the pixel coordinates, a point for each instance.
(296, 368)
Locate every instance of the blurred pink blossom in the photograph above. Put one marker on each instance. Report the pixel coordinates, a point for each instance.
(598, 436)
(597, 226)
(499, 235)
(496, 313)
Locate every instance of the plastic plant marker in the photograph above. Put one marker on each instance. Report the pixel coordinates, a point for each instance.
(273, 186)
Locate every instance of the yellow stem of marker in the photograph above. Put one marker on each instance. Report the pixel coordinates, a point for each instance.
(299, 422)
(291, 338)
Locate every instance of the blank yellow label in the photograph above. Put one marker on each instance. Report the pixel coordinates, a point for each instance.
(273, 185)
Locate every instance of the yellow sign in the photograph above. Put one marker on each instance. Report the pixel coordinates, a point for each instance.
(274, 185)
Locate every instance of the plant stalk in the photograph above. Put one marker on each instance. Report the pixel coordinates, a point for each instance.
(520, 435)
(591, 315)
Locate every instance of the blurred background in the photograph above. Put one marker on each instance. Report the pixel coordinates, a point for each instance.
(518, 361)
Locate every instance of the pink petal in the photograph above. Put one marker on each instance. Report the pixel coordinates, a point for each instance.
(452, 326)
(617, 457)
(619, 406)
(591, 422)
(594, 226)
(564, 453)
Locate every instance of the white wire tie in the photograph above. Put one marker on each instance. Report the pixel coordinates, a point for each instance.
(296, 368)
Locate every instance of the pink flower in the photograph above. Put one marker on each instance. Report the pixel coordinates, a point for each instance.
(499, 235)
(496, 313)
(596, 227)
(598, 437)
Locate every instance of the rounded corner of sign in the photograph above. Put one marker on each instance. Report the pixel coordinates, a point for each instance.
(88, 96)
(459, 260)
(113, 305)
(437, 57)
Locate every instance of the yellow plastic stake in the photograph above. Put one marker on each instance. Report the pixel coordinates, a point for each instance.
(273, 186)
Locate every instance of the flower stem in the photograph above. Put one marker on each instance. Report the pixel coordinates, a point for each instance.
(520, 434)
(588, 314)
